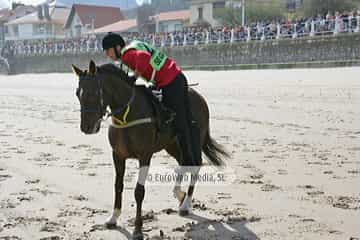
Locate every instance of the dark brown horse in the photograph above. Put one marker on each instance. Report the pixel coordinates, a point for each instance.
(134, 133)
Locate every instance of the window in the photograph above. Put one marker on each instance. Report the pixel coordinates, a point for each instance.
(200, 16)
(291, 5)
(6, 29)
(218, 5)
(16, 30)
(164, 28)
(218, 8)
(178, 27)
(77, 31)
(39, 28)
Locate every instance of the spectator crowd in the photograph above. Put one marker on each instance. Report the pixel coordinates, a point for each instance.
(329, 24)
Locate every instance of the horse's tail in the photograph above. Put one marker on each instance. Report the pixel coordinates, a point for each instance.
(214, 151)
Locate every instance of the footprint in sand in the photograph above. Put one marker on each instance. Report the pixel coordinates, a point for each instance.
(10, 238)
(306, 186)
(25, 198)
(8, 203)
(59, 143)
(80, 198)
(4, 177)
(32, 181)
(147, 218)
(239, 181)
(52, 227)
(44, 192)
(81, 146)
(315, 193)
(269, 188)
(169, 211)
(222, 195)
(196, 204)
(44, 159)
(84, 211)
(354, 171)
(344, 202)
(282, 172)
(95, 151)
(51, 238)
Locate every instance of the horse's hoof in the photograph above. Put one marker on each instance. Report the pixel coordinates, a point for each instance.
(110, 225)
(138, 236)
(184, 213)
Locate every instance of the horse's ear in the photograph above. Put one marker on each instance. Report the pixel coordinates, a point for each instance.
(92, 67)
(76, 70)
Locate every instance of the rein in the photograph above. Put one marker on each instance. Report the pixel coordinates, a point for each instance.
(121, 122)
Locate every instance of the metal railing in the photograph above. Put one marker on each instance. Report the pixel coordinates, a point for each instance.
(253, 32)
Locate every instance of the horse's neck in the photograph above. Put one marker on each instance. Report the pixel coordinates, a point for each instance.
(121, 92)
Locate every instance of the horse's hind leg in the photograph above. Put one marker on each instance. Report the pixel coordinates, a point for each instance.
(183, 197)
(174, 150)
(119, 186)
(185, 206)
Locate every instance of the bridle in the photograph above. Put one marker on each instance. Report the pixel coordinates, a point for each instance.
(102, 106)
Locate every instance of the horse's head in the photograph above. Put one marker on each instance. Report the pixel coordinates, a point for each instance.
(91, 98)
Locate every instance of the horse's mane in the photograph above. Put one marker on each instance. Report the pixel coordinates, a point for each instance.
(111, 68)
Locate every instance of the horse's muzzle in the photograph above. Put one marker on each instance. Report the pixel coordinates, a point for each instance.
(90, 129)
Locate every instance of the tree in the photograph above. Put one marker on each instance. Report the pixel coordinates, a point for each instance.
(144, 13)
(229, 16)
(168, 5)
(254, 11)
(314, 7)
(270, 10)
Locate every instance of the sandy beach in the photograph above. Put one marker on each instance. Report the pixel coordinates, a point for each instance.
(294, 136)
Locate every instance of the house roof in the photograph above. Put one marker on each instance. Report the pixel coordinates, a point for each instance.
(102, 15)
(57, 16)
(174, 15)
(57, 3)
(21, 11)
(119, 26)
(4, 15)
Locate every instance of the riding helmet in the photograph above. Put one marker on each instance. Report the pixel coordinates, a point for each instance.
(112, 40)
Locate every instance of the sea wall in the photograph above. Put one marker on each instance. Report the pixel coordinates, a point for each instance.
(340, 50)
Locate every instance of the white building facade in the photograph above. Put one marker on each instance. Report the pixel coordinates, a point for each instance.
(35, 26)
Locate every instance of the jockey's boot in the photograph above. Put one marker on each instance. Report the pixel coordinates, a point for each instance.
(191, 152)
(196, 143)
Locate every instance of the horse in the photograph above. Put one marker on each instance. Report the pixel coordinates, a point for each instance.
(134, 132)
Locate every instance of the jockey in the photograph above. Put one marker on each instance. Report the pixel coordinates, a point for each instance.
(155, 67)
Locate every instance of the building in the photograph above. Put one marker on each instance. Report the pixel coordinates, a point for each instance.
(293, 5)
(84, 19)
(46, 22)
(203, 12)
(4, 17)
(171, 21)
(120, 26)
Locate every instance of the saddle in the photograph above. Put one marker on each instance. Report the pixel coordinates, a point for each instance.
(163, 115)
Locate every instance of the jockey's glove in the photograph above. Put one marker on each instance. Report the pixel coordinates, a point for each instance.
(131, 80)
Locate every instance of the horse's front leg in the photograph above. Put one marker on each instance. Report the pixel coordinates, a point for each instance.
(119, 164)
(139, 196)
